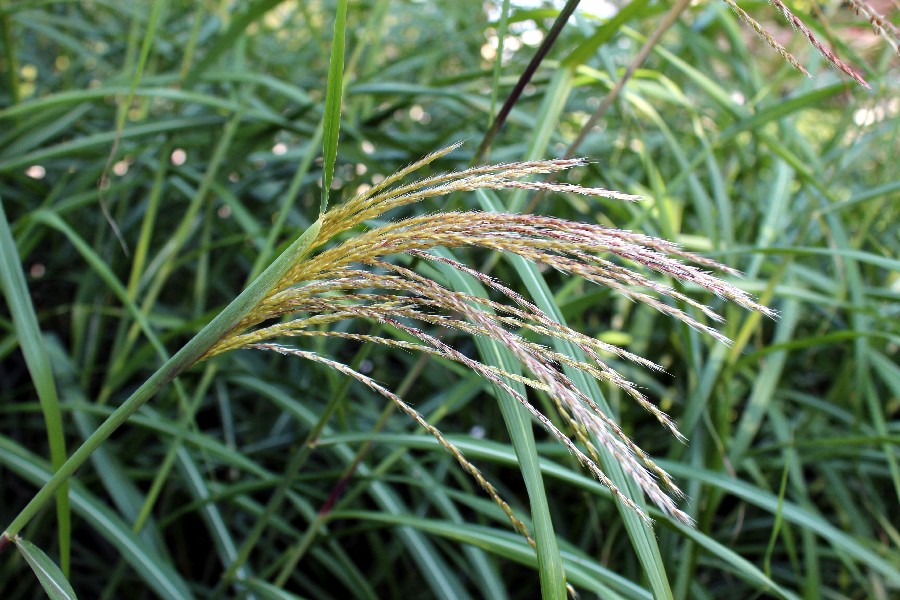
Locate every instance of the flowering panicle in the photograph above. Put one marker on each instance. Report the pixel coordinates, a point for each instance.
(880, 25)
(357, 279)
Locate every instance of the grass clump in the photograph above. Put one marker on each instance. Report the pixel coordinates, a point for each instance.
(480, 300)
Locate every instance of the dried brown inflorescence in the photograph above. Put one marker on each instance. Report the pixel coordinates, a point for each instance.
(357, 279)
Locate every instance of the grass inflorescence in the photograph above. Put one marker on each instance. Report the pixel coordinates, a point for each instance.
(354, 280)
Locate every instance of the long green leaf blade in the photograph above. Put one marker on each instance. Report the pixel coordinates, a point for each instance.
(28, 332)
(333, 102)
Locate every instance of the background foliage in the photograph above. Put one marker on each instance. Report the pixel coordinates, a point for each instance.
(207, 119)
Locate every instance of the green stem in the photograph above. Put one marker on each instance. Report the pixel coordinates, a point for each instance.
(181, 361)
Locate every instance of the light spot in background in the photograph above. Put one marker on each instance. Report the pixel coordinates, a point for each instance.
(224, 211)
(510, 44)
(36, 171)
(865, 116)
(62, 62)
(178, 157)
(29, 75)
(478, 432)
(418, 114)
(377, 178)
(488, 52)
(532, 37)
(28, 72)
(738, 98)
(279, 148)
(276, 18)
(602, 9)
(337, 183)
(37, 270)
(120, 168)
(366, 366)
(362, 189)
(881, 111)
(367, 147)
(233, 177)
(361, 169)
(599, 8)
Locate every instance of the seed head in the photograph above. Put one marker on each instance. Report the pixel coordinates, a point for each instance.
(363, 277)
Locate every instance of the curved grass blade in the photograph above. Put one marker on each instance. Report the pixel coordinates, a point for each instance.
(793, 513)
(51, 577)
(28, 332)
(122, 109)
(238, 23)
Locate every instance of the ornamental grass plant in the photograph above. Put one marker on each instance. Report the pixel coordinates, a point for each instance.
(723, 324)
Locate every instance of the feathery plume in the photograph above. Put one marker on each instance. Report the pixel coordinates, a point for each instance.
(358, 279)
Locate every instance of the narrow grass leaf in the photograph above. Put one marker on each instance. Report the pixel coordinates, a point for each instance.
(31, 342)
(51, 577)
(859, 550)
(442, 579)
(498, 59)
(266, 590)
(335, 87)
